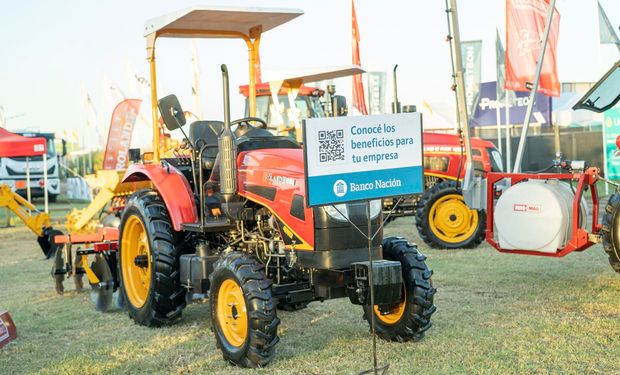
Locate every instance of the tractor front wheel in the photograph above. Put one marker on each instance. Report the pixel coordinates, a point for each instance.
(611, 231)
(148, 261)
(411, 317)
(243, 310)
(444, 221)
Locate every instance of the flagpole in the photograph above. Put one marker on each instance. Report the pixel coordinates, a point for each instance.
(530, 105)
(508, 132)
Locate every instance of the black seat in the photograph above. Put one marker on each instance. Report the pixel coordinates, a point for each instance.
(206, 133)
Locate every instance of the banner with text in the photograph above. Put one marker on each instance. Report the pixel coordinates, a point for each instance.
(362, 157)
(485, 115)
(119, 135)
(611, 132)
(471, 50)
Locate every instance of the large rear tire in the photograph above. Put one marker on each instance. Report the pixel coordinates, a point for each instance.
(445, 222)
(243, 310)
(148, 261)
(410, 318)
(611, 231)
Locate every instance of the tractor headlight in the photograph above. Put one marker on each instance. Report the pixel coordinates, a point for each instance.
(337, 212)
(375, 208)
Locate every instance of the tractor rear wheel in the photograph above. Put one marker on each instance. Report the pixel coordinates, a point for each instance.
(611, 231)
(411, 317)
(243, 310)
(148, 261)
(445, 222)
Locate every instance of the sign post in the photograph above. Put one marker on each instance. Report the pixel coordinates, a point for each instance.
(363, 158)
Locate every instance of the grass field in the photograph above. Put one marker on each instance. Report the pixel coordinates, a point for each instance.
(496, 314)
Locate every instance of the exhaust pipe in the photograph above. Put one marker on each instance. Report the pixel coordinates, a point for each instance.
(227, 149)
(396, 103)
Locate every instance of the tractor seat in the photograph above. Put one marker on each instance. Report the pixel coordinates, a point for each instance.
(206, 132)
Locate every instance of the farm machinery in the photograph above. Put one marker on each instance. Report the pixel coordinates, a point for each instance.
(226, 220)
(443, 219)
(543, 214)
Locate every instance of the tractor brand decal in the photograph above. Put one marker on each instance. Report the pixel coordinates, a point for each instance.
(525, 207)
(288, 236)
(280, 180)
(442, 149)
(356, 158)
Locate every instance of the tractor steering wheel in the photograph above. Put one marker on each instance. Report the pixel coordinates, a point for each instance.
(244, 126)
(247, 120)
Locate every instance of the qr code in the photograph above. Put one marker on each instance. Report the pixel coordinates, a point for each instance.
(331, 145)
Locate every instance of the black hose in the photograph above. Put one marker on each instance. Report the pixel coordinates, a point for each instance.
(542, 170)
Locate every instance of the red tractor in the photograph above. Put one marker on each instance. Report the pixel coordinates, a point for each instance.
(227, 220)
(443, 219)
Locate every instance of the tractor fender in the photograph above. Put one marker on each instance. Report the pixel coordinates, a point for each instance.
(173, 188)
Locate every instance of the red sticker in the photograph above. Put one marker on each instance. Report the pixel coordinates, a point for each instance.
(524, 207)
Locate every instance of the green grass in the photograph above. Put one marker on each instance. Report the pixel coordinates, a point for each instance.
(496, 314)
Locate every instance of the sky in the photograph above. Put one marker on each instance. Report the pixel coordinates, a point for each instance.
(51, 50)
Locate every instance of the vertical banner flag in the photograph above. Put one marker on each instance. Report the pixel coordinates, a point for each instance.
(124, 116)
(472, 71)
(500, 56)
(525, 24)
(607, 34)
(611, 133)
(376, 92)
(359, 100)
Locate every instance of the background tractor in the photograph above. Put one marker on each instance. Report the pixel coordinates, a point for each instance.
(227, 220)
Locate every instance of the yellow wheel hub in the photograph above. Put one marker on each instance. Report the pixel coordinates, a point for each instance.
(232, 313)
(135, 261)
(451, 220)
(395, 314)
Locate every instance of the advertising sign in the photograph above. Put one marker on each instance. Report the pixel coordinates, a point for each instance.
(611, 131)
(116, 154)
(484, 114)
(471, 50)
(357, 158)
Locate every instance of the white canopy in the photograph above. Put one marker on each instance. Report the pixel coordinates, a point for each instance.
(315, 74)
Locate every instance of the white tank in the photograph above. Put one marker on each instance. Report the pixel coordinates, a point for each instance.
(536, 215)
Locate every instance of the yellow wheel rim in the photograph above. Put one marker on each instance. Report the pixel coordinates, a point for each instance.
(394, 315)
(135, 249)
(232, 313)
(451, 220)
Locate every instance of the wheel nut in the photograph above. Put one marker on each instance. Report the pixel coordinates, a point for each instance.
(141, 261)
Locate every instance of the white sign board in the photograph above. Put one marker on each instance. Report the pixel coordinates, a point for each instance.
(357, 158)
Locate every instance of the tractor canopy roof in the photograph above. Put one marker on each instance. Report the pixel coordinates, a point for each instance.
(218, 22)
(299, 78)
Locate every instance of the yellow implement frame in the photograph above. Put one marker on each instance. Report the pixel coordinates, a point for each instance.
(26, 211)
(107, 185)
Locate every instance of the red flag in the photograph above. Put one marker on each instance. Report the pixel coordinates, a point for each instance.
(119, 136)
(525, 25)
(359, 99)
